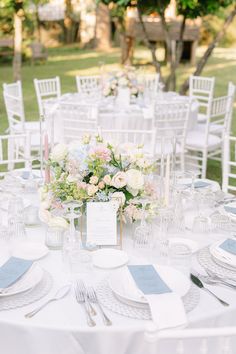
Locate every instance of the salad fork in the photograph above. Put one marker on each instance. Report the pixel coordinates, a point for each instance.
(90, 307)
(93, 298)
(81, 299)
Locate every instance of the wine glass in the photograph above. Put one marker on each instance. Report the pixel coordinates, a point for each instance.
(142, 233)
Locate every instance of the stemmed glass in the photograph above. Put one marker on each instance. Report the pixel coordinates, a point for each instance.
(142, 233)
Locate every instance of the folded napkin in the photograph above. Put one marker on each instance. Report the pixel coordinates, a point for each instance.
(199, 184)
(231, 210)
(166, 307)
(229, 245)
(12, 271)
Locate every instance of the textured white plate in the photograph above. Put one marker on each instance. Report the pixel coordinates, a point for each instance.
(214, 186)
(108, 258)
(26, 282)
(224, 212)
(175, 280)
(29, 250)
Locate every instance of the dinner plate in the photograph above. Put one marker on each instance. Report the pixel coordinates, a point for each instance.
(222, 256)
(214, 186)
(28, 281)
(108, 258)
(227, 213)
(119, 281)
(29, 250)
(192, 245)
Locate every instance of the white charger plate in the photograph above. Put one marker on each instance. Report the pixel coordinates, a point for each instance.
(175, 280)
(29, 250)
(28, 281)
(108, 258)
(224, 212)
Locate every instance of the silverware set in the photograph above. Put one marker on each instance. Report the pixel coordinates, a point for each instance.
(87, 297)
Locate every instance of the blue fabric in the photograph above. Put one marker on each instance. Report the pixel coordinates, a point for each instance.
(12, 270)
(199, 184)
(148, 280)
(229, 209)
(229, 245)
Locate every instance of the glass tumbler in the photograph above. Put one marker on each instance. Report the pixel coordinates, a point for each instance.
(54, 238)
(180, 256)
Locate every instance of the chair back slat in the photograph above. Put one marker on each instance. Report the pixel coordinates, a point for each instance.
(45, 89)
(88, 84)
(13, 99)
(229, 164)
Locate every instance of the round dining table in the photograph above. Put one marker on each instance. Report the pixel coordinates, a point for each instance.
(61, 327)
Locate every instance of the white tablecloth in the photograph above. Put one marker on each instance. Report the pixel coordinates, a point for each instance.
(61, 327)
(111, 115)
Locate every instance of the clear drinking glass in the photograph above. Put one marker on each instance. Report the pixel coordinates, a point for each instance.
(201, 222)
(180, 256)
(16, 226)
(54, 238)
(142, 233)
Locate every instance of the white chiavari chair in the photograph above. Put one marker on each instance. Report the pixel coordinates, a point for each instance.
(183, 341)
(88, 84)
(145, 138)
(78, 119)
(206, 142)
(13, 98)
(202, 89)
(14, 149)
(46, 89)
(229, 165)
(171, 122)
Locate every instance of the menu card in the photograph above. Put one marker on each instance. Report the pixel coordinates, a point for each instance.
(102, 223)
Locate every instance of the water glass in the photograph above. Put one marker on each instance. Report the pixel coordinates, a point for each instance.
(180, 257)
(221, 223)
(16, 226)
(15, 207)
(54, 238)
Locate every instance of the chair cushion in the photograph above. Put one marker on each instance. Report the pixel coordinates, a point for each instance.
(201, 118)
(196, 140)
(168, 149)
(214, 128)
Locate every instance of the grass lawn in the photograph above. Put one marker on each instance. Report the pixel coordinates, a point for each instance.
(67, 62)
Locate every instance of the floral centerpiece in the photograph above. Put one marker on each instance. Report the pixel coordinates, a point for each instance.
(94, 170)
(126, 78)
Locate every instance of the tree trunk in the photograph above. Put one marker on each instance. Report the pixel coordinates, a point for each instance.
(202, 62)
(17, 46)
(150, 46)
(68, 22)
(103, 27)
(38, 24)
(127, 49)
(176, 56)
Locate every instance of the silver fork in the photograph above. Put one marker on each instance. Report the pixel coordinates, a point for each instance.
(215, 281)
(90, 307)
(93, 298)
(81, 299)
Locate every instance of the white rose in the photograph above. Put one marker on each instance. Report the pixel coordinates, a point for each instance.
(119, 180)
(107, 179)
(59, 152)
(135, 179)
(43, 193)
(119, 197)
(44, 215)
(46, 203)
(58, 221)
(132, 191)
(91, 190)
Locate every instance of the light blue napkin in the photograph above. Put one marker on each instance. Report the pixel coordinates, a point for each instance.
(229, 245)
(148, 280)
(199, 184)
(231, 210)
(12, 270)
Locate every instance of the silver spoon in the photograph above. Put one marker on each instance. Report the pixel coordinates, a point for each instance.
(60, 293)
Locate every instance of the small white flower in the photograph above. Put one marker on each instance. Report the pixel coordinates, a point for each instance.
(93, 180)
(59, 152)
(91, 190)
(107, 179)
(44, 215)
(119, 197)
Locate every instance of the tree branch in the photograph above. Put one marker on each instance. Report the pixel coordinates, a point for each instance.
(202, 62)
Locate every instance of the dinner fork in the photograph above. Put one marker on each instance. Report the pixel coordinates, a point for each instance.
(90, 307)
(81, 299)
(93, 298)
